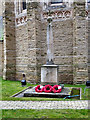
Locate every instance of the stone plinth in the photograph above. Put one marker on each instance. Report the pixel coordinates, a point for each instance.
(31, 93)
(49, 74)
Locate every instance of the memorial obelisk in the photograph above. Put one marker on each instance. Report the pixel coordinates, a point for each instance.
(49, 71)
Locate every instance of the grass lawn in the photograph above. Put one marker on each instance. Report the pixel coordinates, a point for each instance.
(11, 87)
(45, 114)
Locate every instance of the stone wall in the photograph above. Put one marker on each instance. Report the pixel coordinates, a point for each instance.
(32, 70)
(25, 48)
(37, 48)
(80, 45)
(64, 45)
(88, 27)
(1, 58)
(70, 46)
(21, 51)
(9, 71)
(63, 48)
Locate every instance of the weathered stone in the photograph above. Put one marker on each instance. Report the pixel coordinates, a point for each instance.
(25, 48)
(49, 74)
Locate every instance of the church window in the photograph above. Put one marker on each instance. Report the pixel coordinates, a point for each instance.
(1, 28)
(88, 1)
(20, 12)
(24, 5)
(56, 1)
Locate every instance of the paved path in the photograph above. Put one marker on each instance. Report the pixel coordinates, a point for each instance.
(80, 104)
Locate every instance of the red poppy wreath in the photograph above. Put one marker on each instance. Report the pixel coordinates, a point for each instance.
(48, 88)
(56, 88)
(39, 88)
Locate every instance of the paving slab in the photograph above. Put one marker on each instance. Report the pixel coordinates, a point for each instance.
(79, 104)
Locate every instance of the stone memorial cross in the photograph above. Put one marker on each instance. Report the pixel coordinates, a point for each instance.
(49, 42)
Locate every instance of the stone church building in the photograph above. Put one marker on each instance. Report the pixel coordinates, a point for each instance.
(24, 48)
